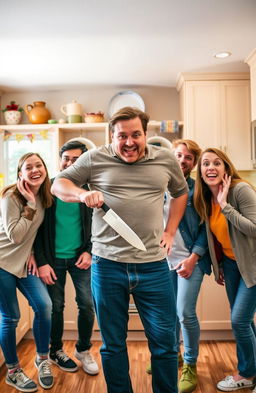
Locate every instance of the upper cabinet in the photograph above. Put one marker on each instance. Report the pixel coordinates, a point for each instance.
(251, 61)
(215, 109)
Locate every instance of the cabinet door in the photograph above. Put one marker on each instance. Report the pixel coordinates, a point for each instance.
(24, 322)
(235, 122)
(201, 108)
(212, 307)
(70, 312)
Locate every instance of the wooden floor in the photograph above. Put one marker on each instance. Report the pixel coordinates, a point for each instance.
(216, 360)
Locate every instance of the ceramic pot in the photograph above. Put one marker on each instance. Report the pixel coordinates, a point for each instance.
(94, 117)
(74, 119)
(12, 117)
(72, 109)
(37, 113)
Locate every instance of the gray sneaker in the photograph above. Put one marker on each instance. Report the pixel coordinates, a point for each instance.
(45, 376)
(20, 381)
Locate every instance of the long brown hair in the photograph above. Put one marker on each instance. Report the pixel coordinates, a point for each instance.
(44, 190)
(202, 194)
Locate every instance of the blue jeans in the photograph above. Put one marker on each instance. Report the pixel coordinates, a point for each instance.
(187, 291)
(36, 293)
(242, 302)
(150, 285)
(82, 282)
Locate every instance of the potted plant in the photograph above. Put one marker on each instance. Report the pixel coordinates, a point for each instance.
(12, 113)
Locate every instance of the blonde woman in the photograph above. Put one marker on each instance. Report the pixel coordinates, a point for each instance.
(227, 204)
(22, 211)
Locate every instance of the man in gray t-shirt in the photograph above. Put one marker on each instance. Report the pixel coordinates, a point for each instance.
(131, 177)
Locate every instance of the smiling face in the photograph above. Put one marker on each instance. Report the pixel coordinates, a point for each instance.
(69, 157)
(33, 171)
(129, 140)
(186, 159)
(212, 169)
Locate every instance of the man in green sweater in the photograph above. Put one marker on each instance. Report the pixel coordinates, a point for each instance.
(63, 244)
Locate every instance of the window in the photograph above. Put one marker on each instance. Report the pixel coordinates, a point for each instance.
(18, 144)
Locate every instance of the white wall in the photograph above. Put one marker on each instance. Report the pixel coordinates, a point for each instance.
(161, 103)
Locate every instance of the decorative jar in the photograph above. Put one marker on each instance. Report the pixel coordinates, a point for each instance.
(12, 117)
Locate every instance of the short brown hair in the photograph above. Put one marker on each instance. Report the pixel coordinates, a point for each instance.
(190, 145)
(127, 113)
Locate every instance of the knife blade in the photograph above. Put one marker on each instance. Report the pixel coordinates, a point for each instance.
(116, 222)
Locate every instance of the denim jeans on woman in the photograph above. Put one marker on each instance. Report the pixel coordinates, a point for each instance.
(187, 291)
(242, 302)
(150, 285)
(82, 282)
(36, 293)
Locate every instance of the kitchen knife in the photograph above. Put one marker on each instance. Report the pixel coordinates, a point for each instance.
(122, 228)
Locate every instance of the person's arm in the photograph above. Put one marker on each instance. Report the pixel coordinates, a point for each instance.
(67, 191)
(84, 261)
(176, 211)
(186, 267)
(16, 219)
(243, 219)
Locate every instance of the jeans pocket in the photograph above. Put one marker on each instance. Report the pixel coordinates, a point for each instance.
(95, 259)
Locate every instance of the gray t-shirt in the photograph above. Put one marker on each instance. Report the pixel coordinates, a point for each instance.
(135, 192)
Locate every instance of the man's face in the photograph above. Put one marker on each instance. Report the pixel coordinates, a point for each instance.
(186, 159)
(69, 157)
(129, 140)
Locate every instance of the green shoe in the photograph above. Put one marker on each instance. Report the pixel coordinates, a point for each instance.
(148, 369)
(180, 363)
(188, 380)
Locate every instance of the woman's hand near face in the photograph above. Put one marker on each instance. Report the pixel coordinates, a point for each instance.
(223, 191)
(25, 190)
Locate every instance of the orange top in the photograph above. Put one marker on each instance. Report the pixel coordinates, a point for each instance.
(219, 227)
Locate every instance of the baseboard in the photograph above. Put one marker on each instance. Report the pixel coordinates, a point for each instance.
(139, 335)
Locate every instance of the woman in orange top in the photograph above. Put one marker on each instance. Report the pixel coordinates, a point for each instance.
(227, 204)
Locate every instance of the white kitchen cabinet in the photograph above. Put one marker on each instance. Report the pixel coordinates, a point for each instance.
(216, 113)
(251, 61)
(212, 307)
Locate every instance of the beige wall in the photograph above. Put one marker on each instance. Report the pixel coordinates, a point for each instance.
(162, 103)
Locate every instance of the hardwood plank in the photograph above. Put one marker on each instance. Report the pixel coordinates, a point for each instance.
(216, 359)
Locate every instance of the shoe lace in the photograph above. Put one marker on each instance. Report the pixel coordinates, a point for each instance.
(62, 355)
(188, 372)
(45, 368)
(89, 357)
(21, 376)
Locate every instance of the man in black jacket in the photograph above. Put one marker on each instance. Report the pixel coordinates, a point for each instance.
(63, 244)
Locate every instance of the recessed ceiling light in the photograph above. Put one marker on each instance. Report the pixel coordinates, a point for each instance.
(222, 55)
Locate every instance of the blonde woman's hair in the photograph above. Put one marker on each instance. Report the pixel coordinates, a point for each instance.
(45, 188)
(202, 193)
(190, 145)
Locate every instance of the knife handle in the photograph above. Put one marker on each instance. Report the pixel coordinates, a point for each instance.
(105, 207)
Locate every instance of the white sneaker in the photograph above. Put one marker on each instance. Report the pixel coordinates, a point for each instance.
(88, 362)
(229, 384)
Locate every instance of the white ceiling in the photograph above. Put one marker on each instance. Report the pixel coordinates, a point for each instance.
(57, 45)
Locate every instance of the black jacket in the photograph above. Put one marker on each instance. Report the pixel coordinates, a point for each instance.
(44, 245)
